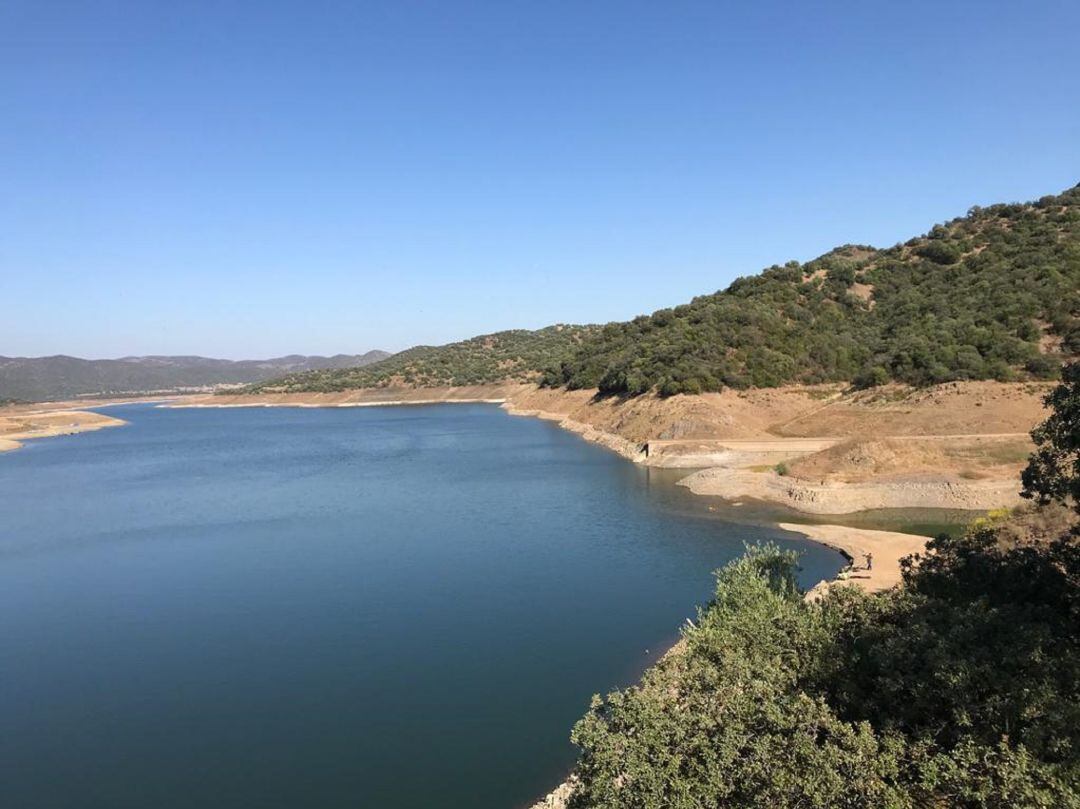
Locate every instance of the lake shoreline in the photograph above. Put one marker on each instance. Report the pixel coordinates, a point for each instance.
(32, 425)
(953, 446)
(886, 547)
(730, 484)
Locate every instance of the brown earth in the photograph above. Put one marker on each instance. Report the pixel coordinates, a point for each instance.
(20, 423)
(874, 555)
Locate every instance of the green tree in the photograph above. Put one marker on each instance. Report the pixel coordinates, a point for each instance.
(1053, 472)
(961, 689)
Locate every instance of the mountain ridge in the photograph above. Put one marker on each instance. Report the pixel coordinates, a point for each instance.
(63, 376)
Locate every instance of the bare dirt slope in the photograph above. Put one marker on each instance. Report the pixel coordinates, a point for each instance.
(954, 408)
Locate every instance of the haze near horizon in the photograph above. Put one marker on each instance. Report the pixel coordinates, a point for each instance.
(253, 180)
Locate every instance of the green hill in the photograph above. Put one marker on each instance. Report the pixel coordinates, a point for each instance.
(517, 355)
(991, 295)
(972, 299)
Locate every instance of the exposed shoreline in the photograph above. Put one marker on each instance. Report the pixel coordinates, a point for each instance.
(387, 403)
(849, 498)
(957, 446)
(887, 547)
(29, 425)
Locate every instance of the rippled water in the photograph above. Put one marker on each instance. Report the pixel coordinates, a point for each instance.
(380, 607)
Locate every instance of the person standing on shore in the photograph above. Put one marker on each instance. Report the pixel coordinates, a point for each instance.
(869, 561)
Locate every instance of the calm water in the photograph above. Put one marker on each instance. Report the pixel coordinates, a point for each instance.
(383, 607)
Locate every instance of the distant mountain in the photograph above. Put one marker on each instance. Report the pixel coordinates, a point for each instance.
(34, 379)
(994, 294)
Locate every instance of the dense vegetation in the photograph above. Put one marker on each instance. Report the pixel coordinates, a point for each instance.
(1053, 473)
(972, 299)
(505, 356)
(994, 294)
(959, 689)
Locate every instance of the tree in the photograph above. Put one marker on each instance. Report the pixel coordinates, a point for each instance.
(1053, 471)
(959, 689)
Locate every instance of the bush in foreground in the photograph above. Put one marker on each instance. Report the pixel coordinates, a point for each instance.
(960, 689)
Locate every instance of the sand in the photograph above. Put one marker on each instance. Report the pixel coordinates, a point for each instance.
(21, 424)
(886, 547)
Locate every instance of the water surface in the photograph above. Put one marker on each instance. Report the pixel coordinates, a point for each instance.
(378, 607)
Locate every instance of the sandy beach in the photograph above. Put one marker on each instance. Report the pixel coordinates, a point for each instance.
(886, 548)
(25, 424)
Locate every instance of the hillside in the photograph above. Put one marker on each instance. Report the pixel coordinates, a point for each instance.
(41, 378)
(517, 356)
(975, 298)
(991, 295)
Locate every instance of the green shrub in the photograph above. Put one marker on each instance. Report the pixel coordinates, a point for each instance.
(939, 252)
(960, 690)
(957, 304)
(872, 377)
(1043, 367)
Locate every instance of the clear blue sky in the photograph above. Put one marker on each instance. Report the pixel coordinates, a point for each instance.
(247, 179)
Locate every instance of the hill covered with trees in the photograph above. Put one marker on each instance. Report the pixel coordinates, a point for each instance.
(994, 294)
(517, 355)
(975, 298)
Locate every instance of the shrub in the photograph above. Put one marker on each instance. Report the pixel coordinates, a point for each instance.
(939, 252)
(959, 690)
(1043, 367)
(872, 377)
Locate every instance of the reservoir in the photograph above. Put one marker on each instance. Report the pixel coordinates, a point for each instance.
(392, 607)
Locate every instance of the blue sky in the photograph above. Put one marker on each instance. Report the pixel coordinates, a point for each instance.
(246, 179)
